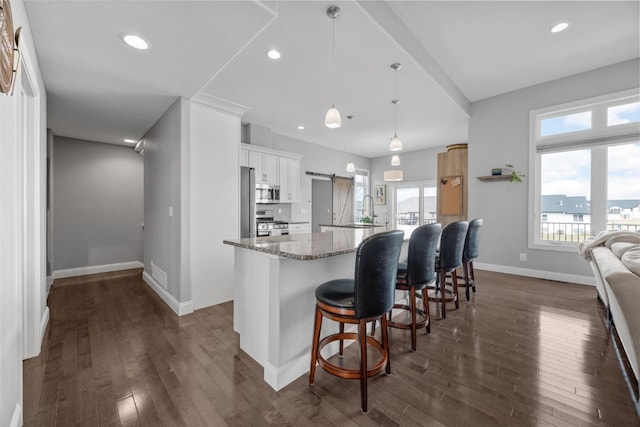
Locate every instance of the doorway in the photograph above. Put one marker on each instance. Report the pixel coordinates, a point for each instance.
(321, 203)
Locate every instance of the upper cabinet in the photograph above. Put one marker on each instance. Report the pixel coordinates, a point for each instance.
(266, 167)
(244, 157)
(289, 180)
(274, 168)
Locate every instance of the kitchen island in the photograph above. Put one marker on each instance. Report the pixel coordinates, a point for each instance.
(274, 303)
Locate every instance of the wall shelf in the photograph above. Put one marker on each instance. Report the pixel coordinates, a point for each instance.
(492, 178)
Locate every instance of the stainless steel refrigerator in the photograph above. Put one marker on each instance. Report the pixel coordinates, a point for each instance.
(247, 202)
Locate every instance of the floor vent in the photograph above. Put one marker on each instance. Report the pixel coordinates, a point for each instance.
(159, 275)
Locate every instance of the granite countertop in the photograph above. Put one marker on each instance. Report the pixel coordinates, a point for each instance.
(305, 246)
(355, 225)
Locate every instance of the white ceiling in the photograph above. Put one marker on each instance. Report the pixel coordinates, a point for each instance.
(451, 52)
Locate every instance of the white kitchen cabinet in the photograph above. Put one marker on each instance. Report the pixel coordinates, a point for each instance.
(266, 167)
(289, 180)
(299, 228)
(244, 157)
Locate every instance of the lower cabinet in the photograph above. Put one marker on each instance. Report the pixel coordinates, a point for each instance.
(299, 228)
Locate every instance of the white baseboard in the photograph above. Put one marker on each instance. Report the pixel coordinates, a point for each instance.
(43, 323)
(539, 274)
(16, 419)
(94, 269)
(278, 378)
(180, 308)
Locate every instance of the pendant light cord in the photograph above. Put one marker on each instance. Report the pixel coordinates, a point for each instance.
(395, 107)
(333, 61)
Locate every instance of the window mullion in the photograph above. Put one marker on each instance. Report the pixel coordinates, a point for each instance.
(598, 189)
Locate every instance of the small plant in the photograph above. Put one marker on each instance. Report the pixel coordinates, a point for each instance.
(516, 176)
(366, 220)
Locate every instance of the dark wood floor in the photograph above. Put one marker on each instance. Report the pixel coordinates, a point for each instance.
(522, 352)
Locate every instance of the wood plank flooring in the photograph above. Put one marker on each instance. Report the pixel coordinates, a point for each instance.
(522, 352)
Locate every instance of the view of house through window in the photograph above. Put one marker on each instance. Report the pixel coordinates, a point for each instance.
(360, 189)
(415, 206)
(589, 169)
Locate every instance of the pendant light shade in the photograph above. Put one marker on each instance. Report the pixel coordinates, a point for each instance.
(395, 144)
(332, 118)
(351, 167)
(395, 160)
(393, 175)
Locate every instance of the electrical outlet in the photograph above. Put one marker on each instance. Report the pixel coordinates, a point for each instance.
(523, 256)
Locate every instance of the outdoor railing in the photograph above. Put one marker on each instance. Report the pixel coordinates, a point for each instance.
(576, 231)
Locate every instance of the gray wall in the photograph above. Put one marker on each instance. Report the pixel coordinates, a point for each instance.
(499, 134)
(98, 204)
(162, 184)
(315, 159)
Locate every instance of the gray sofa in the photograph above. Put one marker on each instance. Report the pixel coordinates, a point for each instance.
(615, 261)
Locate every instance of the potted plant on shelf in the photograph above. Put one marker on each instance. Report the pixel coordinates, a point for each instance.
(516, 176)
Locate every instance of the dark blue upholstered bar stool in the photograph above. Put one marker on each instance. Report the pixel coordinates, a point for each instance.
(471, 250)
(448, 260)
(415, 276)
(365, 298)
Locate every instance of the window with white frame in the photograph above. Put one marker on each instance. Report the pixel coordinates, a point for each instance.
(360, 189)
(585, 169)
(415, 205)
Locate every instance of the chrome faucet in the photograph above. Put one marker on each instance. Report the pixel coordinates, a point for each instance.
(373, 214)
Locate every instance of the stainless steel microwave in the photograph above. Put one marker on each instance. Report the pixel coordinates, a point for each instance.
(266, 193)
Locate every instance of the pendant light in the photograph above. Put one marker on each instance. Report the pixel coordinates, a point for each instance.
(350, 166)
(332, 118)
(396, 144)
(394, 174)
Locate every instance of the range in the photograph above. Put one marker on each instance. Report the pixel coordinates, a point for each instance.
(267, 226)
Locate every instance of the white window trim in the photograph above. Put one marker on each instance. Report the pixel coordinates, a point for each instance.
(595, 138)
(393, 221)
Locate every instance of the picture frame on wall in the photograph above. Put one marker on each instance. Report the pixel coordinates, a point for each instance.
(380, 194)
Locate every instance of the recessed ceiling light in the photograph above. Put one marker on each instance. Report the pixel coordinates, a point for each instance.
(136, 42)
(559, 27)
(273, 54)
(130, 141)
(300, 127)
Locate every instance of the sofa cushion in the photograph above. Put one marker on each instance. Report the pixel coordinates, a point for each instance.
(631, 260)
(619, 248)
(624, 293)
(607, 261)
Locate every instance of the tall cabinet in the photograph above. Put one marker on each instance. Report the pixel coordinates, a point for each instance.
(453, 184)
(274, 168)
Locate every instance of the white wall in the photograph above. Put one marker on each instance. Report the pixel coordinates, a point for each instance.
(499, 134)
(98, 204)
(17, 192)
(214, 145)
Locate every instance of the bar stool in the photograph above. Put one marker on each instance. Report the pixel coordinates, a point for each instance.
(448, 260)
(471, 244)
(415, 276)
(366, 298)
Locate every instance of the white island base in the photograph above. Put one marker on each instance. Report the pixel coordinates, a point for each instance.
(274, 309)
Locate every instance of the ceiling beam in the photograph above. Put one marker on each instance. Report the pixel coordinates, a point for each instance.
(392, 25)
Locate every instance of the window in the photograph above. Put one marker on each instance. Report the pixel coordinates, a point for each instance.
(360, 189)
(584, 158)
(415, 205)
